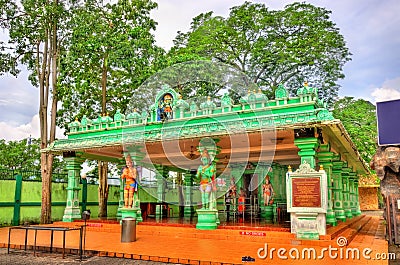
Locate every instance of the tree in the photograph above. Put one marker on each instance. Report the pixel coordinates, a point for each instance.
(286, 46)
(23, 154)
(111, 51)
(359, 119)
(34, 28)
(110, 63)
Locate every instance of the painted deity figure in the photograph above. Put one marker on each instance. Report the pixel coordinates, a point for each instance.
(232, 188)
(230, 198)
(165, 107)
(241, 202)
(129, 173)
(268, 191)
(206, 175)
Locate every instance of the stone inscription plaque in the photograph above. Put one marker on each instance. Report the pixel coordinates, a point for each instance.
(306, 192)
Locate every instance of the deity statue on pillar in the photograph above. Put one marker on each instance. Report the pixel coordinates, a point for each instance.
(129, 173)
(165, 105)
(268, 191)
(206, 175)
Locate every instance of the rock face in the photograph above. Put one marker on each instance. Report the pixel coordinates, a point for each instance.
(368, 198)
(386, 163)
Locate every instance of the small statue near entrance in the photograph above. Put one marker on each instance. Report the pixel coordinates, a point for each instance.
(206, 175)
(232, 188)
(165, 108)
(268, 192)
(230, 198)
(129, 173)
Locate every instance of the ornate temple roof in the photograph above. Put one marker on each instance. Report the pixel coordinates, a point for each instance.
(173, 118)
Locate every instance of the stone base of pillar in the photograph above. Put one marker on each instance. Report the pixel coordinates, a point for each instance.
(189, 211)
(206, 219)
(340, 216)
(119, 211)
(267, 212)
(308, 225)
(331, 218)
(348, 213)
(71, 214)
(354, 211)
(132, 212)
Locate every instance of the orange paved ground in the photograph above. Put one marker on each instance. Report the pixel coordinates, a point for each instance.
(187, 245)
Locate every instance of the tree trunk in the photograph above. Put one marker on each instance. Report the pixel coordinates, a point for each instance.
(103, 166)
(42, 68)
(47, 68)
(103, 188)
(46, 165)
(104, 84)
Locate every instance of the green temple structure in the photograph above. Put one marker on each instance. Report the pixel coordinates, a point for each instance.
(256, 140)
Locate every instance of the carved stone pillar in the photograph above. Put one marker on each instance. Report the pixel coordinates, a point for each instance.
(346, 190)
(307, 151)
(72, 210)
(277, 183)
(161, 182)
(353, 199)
(189, 209)
(357, 199)
(338, 188)
(325, 159)
(120, 166)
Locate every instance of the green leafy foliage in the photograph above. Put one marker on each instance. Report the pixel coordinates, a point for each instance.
(359, 119)
(24, 154)
(20, 154)
(111, 51)
(288, 46)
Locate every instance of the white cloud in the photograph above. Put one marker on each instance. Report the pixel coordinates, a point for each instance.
(16, 133)
(176, 15)
(390, 90)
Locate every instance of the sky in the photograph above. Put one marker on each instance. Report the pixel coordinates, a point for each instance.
(371, 29)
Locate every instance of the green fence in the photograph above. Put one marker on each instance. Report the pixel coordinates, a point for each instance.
(31, 175)
(20, 197)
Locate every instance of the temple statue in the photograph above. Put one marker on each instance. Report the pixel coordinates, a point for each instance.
(129, 173)
(206, 173)
(268, 191)
(165, 107)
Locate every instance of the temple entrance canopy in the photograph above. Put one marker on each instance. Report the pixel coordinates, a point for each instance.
(257, 138)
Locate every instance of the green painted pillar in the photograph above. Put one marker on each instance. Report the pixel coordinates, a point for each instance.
(307, 151)
(283, 170)
(337, 188)
(72, 210)
(325, 159)
(237, 171)
(188, 183)
(121, 204)
(352, 191)
(357, 198)
(160, 176)
(346, 190)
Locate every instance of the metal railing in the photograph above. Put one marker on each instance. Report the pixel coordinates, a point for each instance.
(31, 175)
